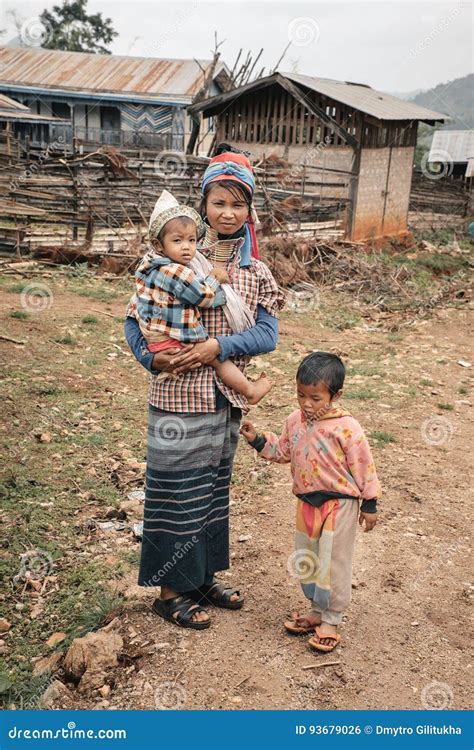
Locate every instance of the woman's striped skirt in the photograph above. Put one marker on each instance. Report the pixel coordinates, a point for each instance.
(186, 515)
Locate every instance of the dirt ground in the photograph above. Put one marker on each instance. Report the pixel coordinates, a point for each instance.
(75, 412)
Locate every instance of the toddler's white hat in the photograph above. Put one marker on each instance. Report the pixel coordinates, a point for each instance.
(167, 208)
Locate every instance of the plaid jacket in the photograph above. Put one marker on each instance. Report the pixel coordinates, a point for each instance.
(167, 297)
(194, 391)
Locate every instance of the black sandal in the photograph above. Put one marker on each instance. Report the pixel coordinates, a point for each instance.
(185, 608)
(217, 594)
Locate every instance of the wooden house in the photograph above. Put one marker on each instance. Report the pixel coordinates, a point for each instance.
(108, 99)
(360, 142)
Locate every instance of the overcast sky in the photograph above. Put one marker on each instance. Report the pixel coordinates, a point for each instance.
(392, 46)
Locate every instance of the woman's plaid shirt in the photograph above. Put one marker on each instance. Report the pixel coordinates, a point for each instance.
(194, 391)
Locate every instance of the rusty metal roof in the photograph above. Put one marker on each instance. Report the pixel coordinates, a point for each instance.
(452, 146)
(366, 99)
(11, 105)
(359, 96)
(38, 68)
(12, 110)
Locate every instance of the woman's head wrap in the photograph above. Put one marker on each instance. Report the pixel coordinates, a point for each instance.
(237, 168)
(167, 208)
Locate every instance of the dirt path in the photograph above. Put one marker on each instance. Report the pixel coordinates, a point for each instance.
(406, 635)
(408, 625)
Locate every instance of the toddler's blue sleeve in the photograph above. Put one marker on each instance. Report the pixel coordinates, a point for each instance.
(138, 345)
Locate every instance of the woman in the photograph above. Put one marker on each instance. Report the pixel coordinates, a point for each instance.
(194, 418)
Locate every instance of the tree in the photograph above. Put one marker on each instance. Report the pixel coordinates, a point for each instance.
(68, 27)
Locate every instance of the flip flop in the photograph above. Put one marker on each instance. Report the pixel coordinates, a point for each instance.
(184, 609)
(294, 629)
(317, 646)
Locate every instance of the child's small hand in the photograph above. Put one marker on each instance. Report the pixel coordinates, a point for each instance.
(248, 431)
(220, 274)
(370, 520)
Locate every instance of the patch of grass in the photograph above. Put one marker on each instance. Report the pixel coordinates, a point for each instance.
(363, 394)
(132, 557)
(426, 381)
(92, 438)
(67, 340)
(98, 608)
(99, 293)
(436, 236)
(15, 288)
(89, 320)
(25, 691)
(48, 390)
(381, 438)
(20, 314)
(342, 319)
(442, 262)
(463, 391)
(423, 280)
(363, 369)
(446, 407)
(79, 271)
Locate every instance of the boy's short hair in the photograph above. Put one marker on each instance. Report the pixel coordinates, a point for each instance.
(183, 220)
(322, 366)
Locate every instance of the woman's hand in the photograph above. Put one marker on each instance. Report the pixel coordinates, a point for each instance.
(200, 354)
(248, 431)
(162, 360)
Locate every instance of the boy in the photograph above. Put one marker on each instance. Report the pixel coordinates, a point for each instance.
(332, 469)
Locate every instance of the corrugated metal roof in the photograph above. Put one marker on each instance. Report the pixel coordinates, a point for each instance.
(452, 145)
(13, 116)
(356, 95)
(85, 72)
(365, 99)
(10, 104)
(16, 112)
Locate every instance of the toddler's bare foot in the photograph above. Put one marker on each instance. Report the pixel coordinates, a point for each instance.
(259, 389)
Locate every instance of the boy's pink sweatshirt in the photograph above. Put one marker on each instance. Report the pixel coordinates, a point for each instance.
(330, 454)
